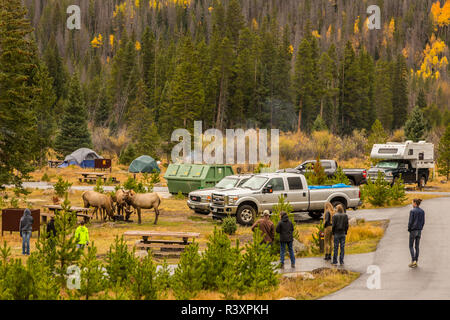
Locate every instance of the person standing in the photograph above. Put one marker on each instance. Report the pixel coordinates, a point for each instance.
(415, 226)
(25, 229)
(327, 225)
(82, 235)
(51, 230)
(267, 228)
(286, 230)
(339, 229)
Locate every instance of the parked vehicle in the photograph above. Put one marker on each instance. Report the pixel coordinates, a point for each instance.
(356, 176)
(261, 192)
(411, 161)
(199, 200)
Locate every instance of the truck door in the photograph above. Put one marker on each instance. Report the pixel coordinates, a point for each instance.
(297, 195)
(268, 200)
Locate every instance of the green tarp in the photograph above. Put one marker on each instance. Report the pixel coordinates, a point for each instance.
(144, 164)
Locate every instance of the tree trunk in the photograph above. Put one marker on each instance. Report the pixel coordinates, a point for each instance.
(299, 116)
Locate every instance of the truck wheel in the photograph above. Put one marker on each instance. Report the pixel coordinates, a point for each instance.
(315, 215)
(422, 182)
(337, 202)
(245, 215)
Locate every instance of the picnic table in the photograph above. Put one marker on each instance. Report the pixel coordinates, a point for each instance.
(54, 163)
(80, 212)
(168, 248)
(93, 176)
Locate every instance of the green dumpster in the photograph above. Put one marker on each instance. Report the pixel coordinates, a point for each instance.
(190, 177)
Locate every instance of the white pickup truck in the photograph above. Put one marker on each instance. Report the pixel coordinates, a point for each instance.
(261, 192)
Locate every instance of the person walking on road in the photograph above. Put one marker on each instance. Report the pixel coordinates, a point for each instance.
(25, 229)
(339, 229)
(82, 235)
(267, 228)
(415, 226)
(286, 230)
(328, 234)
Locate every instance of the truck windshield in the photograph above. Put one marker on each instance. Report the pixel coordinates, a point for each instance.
(255, 183)
(388, 164)
(227, 183)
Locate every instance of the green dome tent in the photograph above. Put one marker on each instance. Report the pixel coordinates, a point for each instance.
(144, 164)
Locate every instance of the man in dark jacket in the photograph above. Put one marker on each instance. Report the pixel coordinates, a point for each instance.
(25, 228)
(267, 228)
(339, 230)
(286, 230)
(415, 226)
(51, 229)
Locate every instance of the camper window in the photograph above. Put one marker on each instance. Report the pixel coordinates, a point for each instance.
(388, 164)
(387, 151)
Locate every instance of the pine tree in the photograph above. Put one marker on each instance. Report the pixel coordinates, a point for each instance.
(305, 82)
(383, 94)
(148, 66)
(74, 133)
(187, 96)
(400, 92)
(350, 90)
(141, 126)
(103, 109)
(319, 124)
(377, 136)
(443, 161)
(421, 99)
(92, 275)
(415, 126)
(56, 69)
(187, 279)
(144, 280)
(44, 102)
(258, 272)
(18, 64)
(66, 250)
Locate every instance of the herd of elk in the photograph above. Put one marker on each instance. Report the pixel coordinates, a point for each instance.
(122, 200)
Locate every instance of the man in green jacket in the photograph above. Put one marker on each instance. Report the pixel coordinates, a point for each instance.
(82, 235)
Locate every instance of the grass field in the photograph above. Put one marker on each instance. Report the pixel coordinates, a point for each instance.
(176, 216)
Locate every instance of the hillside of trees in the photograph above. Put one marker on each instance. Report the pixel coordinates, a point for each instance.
(139, 69)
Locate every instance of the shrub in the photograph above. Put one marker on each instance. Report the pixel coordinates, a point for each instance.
(99, 186)
(218, 256)
(376, 192)
(133, 184)
(187, 279)
(144, 283)
(229, 225)
(45, 177)
(257, 271)
(339, 177)
(92, 278)
(120, 261)
(179, 196)
(61, 187)
(397, 192)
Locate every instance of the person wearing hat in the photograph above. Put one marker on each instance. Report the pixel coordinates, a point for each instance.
(82, 235)
(266, 226)
(25, 229)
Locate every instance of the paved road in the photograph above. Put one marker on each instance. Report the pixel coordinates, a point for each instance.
(431, 280)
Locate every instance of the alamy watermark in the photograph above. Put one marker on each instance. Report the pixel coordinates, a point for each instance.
(74, 20)
(374, 20)
(374, 280)
(235, 148)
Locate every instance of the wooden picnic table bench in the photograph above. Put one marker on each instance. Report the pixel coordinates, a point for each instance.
(80, 212)
(54, 163)
(93, 176)
(166, 248)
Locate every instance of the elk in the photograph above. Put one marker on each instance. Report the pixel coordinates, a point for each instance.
(99, 201)
(143, 201)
